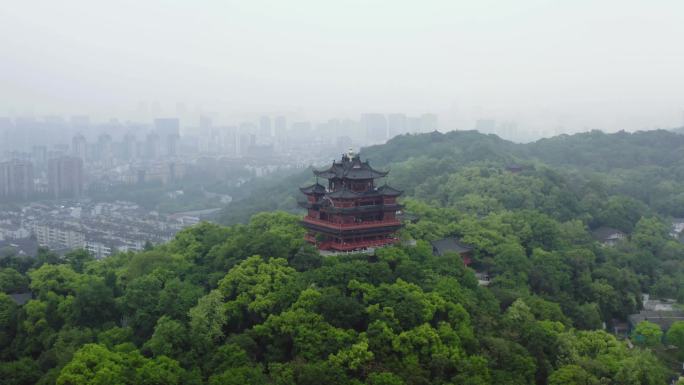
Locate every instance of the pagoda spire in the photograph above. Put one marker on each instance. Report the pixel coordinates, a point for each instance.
(352, 214)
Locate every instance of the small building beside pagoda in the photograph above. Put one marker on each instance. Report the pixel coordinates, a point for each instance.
(351, 213)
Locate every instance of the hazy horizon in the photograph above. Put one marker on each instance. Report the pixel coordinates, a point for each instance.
(558, 67)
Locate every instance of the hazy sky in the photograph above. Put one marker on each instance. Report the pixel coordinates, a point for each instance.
(561, 64)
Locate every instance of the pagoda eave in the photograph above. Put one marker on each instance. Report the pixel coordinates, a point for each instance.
(351, 210)
(351, 213)
(347, 247)
(362, 209)
(351, 229)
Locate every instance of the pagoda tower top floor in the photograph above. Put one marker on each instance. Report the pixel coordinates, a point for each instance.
(350, 167)
(351, 213)
(350, 174)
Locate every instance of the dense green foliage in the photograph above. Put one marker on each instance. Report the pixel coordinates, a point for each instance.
(594, 166)
(252, 304)
(249, 305)
(583, 181)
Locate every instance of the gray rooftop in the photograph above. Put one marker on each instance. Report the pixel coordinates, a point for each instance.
(350, 168)
(605, 233)
(664, 319)
(451, 244)
(21, 298)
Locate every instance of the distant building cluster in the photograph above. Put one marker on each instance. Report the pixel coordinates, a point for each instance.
(57, 168)
(380, 127)
(16, 179)
(64, 178)
(55, 158)
(662, 312)
(100, 228)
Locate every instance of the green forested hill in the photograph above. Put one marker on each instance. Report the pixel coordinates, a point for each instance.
(596, 150)
(641, 169)
(431, 153)
(250, 304)
(461, 146)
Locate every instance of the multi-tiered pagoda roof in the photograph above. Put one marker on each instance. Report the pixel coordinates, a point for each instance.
(350, 168)
(351, 213)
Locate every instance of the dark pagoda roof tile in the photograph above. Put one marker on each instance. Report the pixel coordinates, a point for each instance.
(390, 191)
(350, 168)
(344, 193)
(325, 174)
(452, 244)
(606, 233)
(21, 298)
(315, 188)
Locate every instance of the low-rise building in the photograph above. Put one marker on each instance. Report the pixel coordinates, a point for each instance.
(100, 228)
(58, 235)
(664, 319)
(21, 298)
(677, 227)
(608, 236)
(661, 312)
(13, 231)
(454, 245)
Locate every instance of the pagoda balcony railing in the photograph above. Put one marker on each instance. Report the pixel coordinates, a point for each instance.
(347, 246)
(356, 225)
(362, 209)
(375, 207)
(380, 206)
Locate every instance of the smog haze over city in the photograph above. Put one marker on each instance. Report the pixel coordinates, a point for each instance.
(537, 68)
(348, 192)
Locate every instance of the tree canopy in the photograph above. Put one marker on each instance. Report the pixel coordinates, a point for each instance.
(251, 303)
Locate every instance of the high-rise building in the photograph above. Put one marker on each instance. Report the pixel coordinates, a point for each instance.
(224, 140)
(65, 177)
(105, 148)
(79, 147)
(171, 145)
(152, 146)
(39, 156)
(343, 142)
(16, 179)
(353, 128)
(279, 126)
(168, 130)
(397, 124)
(130, 146)
(413, 125)
(265, 129)
(167, 126)
(352, 212)
(485, 126)
(5, 128)
(205, 125)
(245, 142)
(428, 122)
(375, 126)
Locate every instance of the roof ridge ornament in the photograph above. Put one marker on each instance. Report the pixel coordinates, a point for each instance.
(350, 153)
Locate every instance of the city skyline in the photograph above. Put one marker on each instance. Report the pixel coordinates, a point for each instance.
(559, 68)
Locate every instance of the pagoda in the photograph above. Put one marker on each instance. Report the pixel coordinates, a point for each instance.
(351, 213)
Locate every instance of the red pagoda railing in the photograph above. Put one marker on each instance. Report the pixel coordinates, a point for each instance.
(359, 225)
(357, 245)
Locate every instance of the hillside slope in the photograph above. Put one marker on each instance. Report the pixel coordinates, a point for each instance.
(252, 304)
(435, 167)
